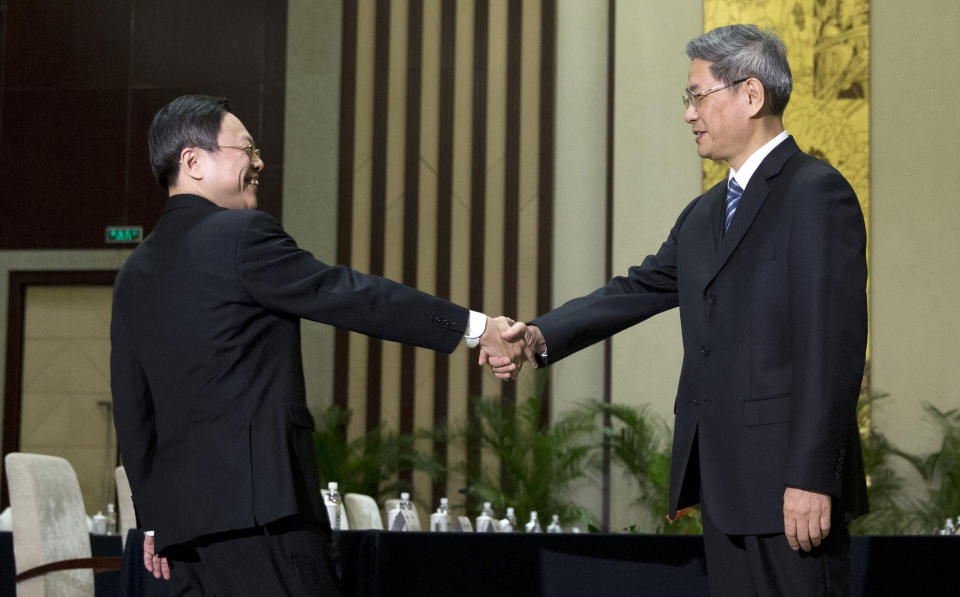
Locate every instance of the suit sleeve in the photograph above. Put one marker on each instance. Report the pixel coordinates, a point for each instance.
(827, 277)
(282, 277)
(647, 289)
(133, 417)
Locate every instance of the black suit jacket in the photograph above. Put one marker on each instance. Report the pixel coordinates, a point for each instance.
(206, 370)
(774, 323)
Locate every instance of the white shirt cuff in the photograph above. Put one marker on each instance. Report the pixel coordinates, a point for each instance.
(476, 325)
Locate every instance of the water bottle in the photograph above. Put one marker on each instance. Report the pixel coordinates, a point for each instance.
(534, 525)
(395, 520)
(485, 520)
(332, 501)
(512, 518)
(948, 528)
(111, 520)
(99, 523)
(440, 520)
(554, 526)
(508, 523)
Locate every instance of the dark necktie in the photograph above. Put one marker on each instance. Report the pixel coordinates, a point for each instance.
(733, 200)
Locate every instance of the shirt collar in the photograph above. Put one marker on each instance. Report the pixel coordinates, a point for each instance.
(750, 166)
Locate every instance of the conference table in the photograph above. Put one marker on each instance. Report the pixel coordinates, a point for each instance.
(388, 564)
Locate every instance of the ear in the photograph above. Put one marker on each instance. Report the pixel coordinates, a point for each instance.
(756, 96)
(191, 163)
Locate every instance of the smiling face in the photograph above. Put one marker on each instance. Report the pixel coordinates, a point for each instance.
(722, 122)
(231, 177)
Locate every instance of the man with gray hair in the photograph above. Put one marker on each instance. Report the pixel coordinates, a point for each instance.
(768, 269)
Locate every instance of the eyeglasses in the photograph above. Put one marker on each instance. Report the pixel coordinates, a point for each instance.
(693, 98)
(252, 151)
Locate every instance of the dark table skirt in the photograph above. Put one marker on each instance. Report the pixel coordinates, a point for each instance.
(380, 563)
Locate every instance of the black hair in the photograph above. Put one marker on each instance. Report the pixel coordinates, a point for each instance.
(188, 121)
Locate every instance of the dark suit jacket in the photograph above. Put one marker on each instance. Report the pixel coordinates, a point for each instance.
(207, 377)
(774, 323)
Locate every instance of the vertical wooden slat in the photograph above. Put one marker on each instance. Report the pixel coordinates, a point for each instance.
(478, 182)
(511, 178)
(348, 87)
(608, 235)
(411, 206)
(511, 192)
(378, 197)
(548, 86)
(445, 154)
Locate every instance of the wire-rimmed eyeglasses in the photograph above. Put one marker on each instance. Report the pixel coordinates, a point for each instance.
(252, 151)
(693, 98)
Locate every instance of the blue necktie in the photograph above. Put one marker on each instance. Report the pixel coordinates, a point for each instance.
(733, 200)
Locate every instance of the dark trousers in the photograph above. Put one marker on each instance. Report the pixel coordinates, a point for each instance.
(765, 566)
(289, 557)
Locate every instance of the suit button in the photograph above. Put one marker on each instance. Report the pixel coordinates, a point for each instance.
(836, 475)
(704, 349)
(711, 300)
(696, 401)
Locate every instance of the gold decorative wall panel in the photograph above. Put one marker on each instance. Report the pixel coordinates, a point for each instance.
(828, 46)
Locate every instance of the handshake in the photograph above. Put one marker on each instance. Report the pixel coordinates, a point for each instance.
(505, 344)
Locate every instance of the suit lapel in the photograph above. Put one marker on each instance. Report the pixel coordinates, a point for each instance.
(753, 198)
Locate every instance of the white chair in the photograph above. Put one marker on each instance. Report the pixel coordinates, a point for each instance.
(362, 512)
(51, 545)
(128, 516)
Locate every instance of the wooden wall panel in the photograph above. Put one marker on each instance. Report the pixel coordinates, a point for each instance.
(446, 158)
(81, 83)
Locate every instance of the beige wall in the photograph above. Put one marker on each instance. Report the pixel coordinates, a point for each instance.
(915, 261)
(310, 154)
(580, 194)
(656, 173)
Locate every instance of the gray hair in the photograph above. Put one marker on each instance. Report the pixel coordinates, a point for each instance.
(743, 51)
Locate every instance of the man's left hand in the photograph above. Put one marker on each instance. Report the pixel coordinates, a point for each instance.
(806, 518)
(154, 564)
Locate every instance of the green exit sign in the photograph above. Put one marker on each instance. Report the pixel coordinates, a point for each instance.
(124, 234)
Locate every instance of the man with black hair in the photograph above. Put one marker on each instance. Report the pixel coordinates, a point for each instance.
(206, 371)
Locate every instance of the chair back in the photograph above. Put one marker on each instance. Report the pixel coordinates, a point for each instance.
(362, 512)
(49, 524)
(128, 516)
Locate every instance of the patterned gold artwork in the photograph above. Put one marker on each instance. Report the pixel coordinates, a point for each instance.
(828, 46)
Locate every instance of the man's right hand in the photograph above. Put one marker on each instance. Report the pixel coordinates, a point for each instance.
(533, 342)
(152, 562)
